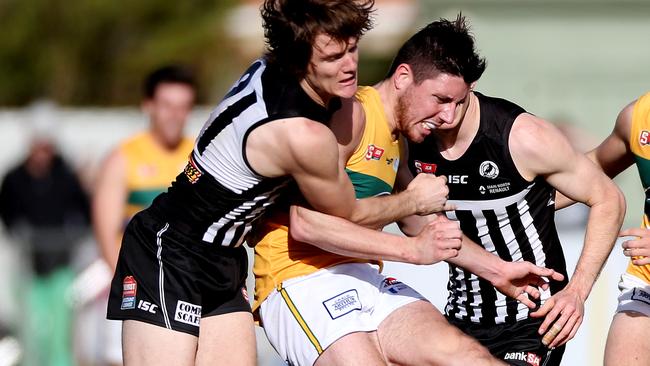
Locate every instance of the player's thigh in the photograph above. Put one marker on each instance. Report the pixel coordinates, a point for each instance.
(354, 349)
(227, 339)
(628, 342)
(417, 334)
(147, 344)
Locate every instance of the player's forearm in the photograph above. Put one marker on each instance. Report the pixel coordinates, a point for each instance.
(605, 220)
(477, 260)
(377, 212)
(342, 237)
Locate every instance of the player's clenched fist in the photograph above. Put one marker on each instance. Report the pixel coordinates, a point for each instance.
(439, 240)
(428, 193)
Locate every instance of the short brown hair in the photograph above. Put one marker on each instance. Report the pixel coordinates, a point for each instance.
(291, 26)
(442, 46)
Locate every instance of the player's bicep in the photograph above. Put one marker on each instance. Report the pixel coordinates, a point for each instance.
(540, 149)
(319, 175)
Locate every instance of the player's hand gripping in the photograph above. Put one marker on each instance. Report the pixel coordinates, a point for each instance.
(428, 193)
(637, 248)
(438, 241)
(522, 280)
(565, 311)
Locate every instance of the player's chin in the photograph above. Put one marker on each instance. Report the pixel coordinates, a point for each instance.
(347, 88)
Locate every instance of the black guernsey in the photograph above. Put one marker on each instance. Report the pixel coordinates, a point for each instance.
(498, 209)
(219, 196)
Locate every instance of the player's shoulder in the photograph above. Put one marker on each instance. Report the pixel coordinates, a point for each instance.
(533, 135)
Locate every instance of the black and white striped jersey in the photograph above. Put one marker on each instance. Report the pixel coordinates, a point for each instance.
(219, 196)
(498, 209)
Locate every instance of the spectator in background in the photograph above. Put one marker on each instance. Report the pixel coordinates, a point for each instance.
(45, 209)
(139, 169)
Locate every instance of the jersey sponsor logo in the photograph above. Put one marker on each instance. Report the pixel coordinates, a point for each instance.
(640, 295)
(488, 169)
(644, 138)
(457, 179)
(528, 357)
(342, 304)
(422, 167)
(374, 152)
(147, 306)
(129, 290)
(498, 188)
(188, 313)
(393, 285)
(191, 171)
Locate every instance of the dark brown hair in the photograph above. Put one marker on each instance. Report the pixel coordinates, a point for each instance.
(442, 46)
(172, 74)
(291, 26)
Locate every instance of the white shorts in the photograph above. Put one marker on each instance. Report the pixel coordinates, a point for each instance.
(635, 295)
(311, 312)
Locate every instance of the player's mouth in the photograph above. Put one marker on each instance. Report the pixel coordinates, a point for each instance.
(428, 125)
(352, 80)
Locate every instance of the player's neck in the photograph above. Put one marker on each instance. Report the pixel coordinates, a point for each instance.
(388, 101)
(322, 99)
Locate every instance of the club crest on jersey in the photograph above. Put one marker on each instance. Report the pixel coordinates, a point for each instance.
(488, 169)
(422, 167)
(129, 290)
(374, 152)
(644, 138)
(191, 171)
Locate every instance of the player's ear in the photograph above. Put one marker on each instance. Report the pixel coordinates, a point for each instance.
(403, 76)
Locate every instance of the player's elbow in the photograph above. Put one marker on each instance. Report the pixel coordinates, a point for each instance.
(298, 225)
(614, 199)
(619, 200)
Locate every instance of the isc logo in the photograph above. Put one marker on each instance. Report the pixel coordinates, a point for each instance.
(457, 179)
(147, 306)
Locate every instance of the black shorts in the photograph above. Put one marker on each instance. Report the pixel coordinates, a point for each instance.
(163, 279)
(517, 344)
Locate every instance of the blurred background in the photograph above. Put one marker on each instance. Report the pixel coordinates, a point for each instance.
(71, 74)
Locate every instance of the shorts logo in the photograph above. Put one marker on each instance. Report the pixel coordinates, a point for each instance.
(393, 285)
(488, 169)
(374, 152)
(428, 168)
(528, 357)
(640, 295)
(244, 293)
(147, 306)
(644, 138)
(342, 304)
(188, 313)
(129, 290)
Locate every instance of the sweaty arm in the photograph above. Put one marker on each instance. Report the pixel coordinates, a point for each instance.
(108, 203)
(540, 149)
